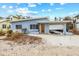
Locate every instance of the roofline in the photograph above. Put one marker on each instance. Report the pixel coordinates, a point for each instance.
(55, 22)
(4, 21)
(31, 19)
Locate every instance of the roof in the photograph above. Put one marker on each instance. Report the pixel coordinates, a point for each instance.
(30, 19)
(1, 21)
(55, 22)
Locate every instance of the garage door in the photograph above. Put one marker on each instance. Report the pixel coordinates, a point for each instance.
(56, 27)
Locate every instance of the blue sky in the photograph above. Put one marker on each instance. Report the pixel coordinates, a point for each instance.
(39, 9)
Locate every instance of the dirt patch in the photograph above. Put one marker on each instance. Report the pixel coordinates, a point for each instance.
(23, 39)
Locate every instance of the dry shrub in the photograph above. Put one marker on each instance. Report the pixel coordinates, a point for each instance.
(75, 31)
(23, 38)
(9, 33)
(2, 33)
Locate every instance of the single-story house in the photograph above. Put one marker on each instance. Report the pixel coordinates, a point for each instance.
(38, 25)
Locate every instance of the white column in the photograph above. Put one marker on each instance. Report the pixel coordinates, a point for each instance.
(39, 28)
(47, 28)
(64, 29)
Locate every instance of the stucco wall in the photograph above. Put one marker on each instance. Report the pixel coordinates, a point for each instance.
(26, 24)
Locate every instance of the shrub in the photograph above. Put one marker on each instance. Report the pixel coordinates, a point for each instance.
(2, 33)
(9, 33)
(75, 31)
(23, 38)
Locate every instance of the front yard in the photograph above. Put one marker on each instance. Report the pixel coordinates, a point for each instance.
(52, 45)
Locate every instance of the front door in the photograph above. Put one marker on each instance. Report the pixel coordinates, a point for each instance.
(42, 28)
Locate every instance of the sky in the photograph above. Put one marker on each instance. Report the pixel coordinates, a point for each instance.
(39, 9)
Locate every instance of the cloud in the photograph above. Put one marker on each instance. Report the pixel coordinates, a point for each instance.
(4, 6)
(10, 7)
(39, 3)
(59, 8)
(43, 10)
(35, 12)
(21, 10)
(25, 11)
(10, 11)
(32, 5)
(62, 3)
(18, 3)
(51, 4)
(49, 10)
(73, 13)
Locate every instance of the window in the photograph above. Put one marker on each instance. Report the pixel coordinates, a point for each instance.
(4, 26)
(37, 26)
(34, 26)
(18, 26)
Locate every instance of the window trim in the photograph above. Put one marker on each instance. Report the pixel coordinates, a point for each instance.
(19, 26)
(4, 26)
(34, 26)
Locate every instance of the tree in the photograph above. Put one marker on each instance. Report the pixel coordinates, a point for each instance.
(1, 17)
(68, 25)
(67, 18)
(55, 18)
(77, 16)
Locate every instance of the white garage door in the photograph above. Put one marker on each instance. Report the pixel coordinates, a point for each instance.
(56, 27)
(77, 26)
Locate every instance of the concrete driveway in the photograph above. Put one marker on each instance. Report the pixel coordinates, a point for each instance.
(59, 40)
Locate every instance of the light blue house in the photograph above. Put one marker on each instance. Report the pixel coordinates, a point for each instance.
(38, 25)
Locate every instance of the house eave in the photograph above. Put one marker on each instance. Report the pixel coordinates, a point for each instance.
(55, 22)
(31, 19)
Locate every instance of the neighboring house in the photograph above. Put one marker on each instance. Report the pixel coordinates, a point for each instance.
(4, 25)
(38, 25)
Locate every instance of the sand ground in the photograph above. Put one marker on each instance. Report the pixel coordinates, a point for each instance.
(58, 45)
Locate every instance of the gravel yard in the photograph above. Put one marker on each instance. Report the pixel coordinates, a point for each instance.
(53, 45)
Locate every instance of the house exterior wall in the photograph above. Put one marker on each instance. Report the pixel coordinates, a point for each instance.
(26, 24)
(7, 23)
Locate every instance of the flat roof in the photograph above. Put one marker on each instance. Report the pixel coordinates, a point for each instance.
(55, 22)
(30, 19)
